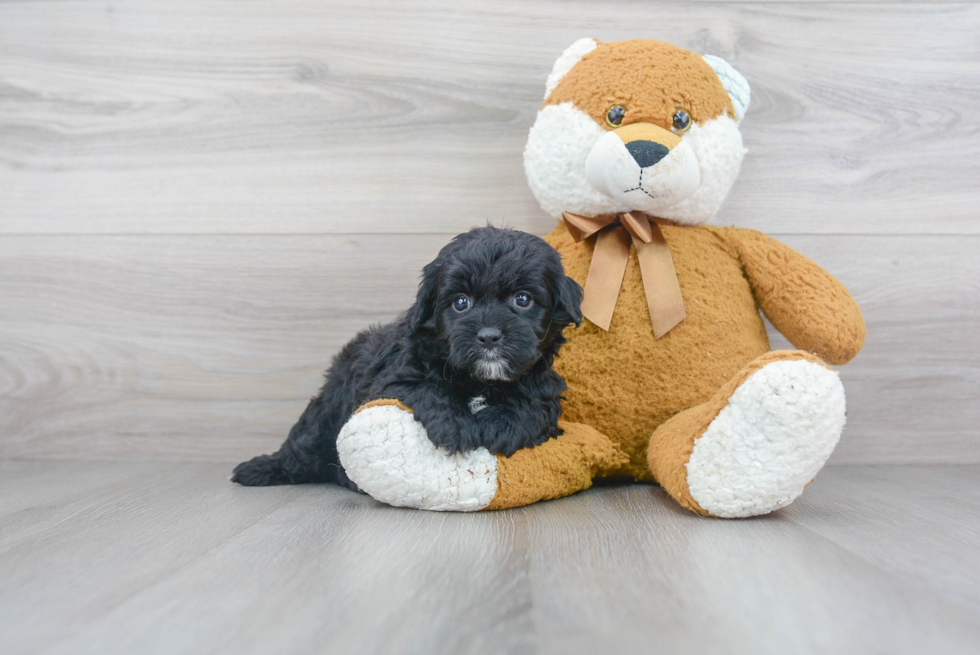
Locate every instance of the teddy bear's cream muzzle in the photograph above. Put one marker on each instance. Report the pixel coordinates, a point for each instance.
(643, 166)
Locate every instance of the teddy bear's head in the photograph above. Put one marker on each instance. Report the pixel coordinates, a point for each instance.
(637, 126)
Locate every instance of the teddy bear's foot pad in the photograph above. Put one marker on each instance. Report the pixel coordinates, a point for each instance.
(387, 453)
(769, 441)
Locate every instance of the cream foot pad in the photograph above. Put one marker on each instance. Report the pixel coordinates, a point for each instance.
(768, 443)
(386, 452)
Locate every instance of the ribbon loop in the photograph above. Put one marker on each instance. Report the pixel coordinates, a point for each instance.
(582, 227)
(638, 226)
(609, 258)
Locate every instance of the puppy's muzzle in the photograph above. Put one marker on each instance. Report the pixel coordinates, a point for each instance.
(643, 166)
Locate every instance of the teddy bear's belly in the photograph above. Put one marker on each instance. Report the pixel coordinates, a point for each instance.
(625, 382)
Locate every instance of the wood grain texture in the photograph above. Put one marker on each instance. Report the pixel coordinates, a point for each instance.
(194, 347)
(788, 582)
(201, 202)
(173, 558)
(303, 116)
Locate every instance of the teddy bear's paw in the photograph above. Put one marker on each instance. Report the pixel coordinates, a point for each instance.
(767, 444)
(387, 453)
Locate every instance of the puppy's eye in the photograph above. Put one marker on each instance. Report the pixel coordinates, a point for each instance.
(461, 303)
(682, 121)
(615, 114)
(522, 300)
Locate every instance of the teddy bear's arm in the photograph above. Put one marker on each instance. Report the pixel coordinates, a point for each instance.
(803, 301)
(558, 467)
(388, 455)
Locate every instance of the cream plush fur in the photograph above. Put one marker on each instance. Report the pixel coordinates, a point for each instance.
(563, 138)
(386, 452)
(768, 443)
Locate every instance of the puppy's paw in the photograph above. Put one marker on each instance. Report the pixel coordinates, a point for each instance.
(453, 433)
(261, 471)
(503, 435)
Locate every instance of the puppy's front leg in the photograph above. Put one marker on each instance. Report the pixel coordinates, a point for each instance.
(446, 418)
(508, 424)
(523, 415)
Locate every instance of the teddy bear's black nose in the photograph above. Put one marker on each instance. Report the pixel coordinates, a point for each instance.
(647, 153)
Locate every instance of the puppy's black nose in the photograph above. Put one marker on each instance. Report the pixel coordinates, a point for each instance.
(647, 153)
(489, 337)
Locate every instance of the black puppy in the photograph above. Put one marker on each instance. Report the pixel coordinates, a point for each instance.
(472, 358)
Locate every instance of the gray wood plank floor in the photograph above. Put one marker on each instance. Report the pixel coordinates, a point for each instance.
(138, 557)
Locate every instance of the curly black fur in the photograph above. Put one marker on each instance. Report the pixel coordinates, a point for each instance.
(434, 360)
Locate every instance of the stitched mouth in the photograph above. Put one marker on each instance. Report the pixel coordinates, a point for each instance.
(639, 187)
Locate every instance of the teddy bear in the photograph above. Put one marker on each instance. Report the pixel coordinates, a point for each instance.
(671, 378)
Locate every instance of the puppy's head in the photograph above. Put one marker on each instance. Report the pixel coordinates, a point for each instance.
(496, 301)
(637, 125)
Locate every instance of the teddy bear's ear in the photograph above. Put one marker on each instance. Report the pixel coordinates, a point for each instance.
(736, 85)
(567, 61)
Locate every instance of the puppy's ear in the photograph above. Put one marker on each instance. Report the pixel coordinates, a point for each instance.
(422, 314)
(568, 301)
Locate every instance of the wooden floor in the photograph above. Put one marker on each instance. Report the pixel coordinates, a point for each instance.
(112, 557)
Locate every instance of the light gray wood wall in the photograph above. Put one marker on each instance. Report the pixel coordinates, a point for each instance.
(201, 201)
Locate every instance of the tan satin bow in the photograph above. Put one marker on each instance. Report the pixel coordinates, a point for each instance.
(612, 251)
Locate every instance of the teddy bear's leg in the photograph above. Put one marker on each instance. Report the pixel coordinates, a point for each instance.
(387, 453)
(757, 443)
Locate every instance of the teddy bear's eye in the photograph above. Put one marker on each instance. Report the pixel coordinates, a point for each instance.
(682, 121)
(615, 115)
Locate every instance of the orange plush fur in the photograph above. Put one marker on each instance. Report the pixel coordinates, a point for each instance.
(626, 383)
(654, 397)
